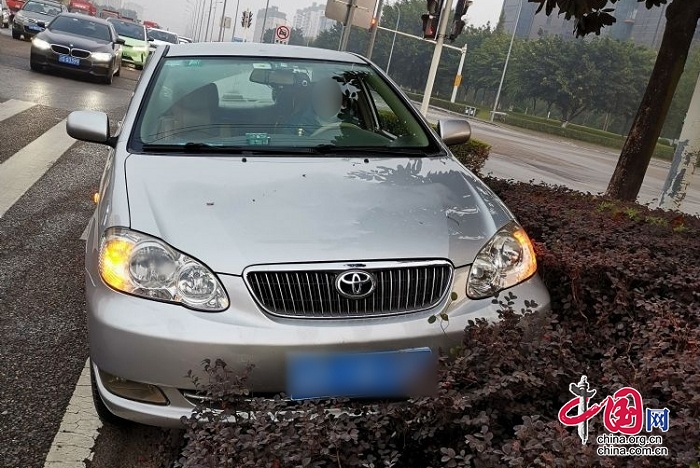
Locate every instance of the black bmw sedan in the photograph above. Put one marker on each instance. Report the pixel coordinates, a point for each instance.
(79, 44)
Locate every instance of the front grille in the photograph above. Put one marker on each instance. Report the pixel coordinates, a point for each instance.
(59, 49)
(79, 53)
(402, 287)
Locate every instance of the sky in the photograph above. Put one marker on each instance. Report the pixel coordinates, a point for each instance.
(177, 15)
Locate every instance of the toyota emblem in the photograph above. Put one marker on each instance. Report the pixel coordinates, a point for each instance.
(355, 284)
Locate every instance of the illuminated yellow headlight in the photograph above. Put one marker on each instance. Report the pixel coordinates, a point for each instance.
(115, 255)
(507, 259)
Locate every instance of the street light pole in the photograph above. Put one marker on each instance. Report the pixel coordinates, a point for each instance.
(505, 67)
(458, 78)
(235, 20)
(375, 28)
(262, 34)
(348, 25)
(206, 31)
(444, 19)
(221, 25)
(391, 52)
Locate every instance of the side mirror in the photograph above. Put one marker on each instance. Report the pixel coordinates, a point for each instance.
(120, 41)
(89, 126)
(454, 131)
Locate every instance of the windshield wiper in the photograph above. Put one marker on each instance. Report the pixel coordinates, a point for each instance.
(370, 150)
(197, 147)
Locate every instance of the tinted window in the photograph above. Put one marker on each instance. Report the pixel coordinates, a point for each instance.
(244, 101)
(43, 8)
(128, 29)
(81, 27)
(162, 36)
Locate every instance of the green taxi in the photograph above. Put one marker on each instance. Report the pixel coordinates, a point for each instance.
(136, 47)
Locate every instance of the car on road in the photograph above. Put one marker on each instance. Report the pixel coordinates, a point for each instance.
(285, 208)
(136, 47)
(78, 44)
(33, 17)
(162, 37)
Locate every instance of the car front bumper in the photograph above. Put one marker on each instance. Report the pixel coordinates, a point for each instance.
(157, 343)
(49, 59)
(27, 30)
(134, 57)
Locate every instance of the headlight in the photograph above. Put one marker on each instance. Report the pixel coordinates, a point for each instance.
(101, 56)
(40, 44)
(506, 260)
(144, 266)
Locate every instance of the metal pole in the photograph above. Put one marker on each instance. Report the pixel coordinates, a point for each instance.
(458, 78)
(206, 31)
(391, 52)
(348, 24)
(686, 157)
(198, 28)
(444, 19)
(262, 34)
(221, 26)
(235, 20)
(505, 66)
(375, 28)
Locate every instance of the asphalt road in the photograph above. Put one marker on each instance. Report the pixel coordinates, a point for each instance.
(43, 346)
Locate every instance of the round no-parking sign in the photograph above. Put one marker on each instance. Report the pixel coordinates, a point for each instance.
(282, 34)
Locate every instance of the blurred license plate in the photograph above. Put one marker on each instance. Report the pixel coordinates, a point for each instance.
(409, 372)
(68, 60)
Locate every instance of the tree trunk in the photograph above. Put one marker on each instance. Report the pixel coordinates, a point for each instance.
(681, 20)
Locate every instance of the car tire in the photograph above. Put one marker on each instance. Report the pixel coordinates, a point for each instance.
(138, 67)
(105, 415)
(15, 35)
(34, 66)
(108, 79)
(119, 71)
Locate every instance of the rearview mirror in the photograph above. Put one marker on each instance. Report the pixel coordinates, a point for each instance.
(454, 131)
(89, 126)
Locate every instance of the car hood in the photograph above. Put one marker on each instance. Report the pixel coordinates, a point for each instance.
(35, 17)
(78, 42)
(231, 213)
(131, 42)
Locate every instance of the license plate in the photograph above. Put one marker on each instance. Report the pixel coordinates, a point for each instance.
(387, 374)
(35, 28)
(68, 60)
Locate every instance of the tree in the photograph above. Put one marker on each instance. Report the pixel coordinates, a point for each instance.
(681, 21)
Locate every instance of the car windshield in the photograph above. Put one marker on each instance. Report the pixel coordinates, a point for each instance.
(81, 27)
(42, 8)
(130, 30)
(162, 36)
(264, 104)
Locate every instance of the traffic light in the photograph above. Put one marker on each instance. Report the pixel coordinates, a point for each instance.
(246, 19)
(432, 19)
(430, 26)
(458, 24)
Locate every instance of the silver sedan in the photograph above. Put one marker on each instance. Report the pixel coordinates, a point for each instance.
(286, 208)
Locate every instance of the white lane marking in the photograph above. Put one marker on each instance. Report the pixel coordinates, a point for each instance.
(22, 170)
(13, 107)
(79, 428)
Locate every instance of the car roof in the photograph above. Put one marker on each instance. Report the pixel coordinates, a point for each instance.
(47, 2)
(122, 20)
(162, 30)
(93, 19)
(255, 49)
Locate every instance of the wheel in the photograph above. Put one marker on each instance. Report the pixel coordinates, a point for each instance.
(119, 71)
(108, 79)
(15, 34)
(34, 66)
(105, 415)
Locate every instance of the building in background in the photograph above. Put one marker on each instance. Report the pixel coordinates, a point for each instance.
(274, 19)
(634, 23)
(312, 20)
